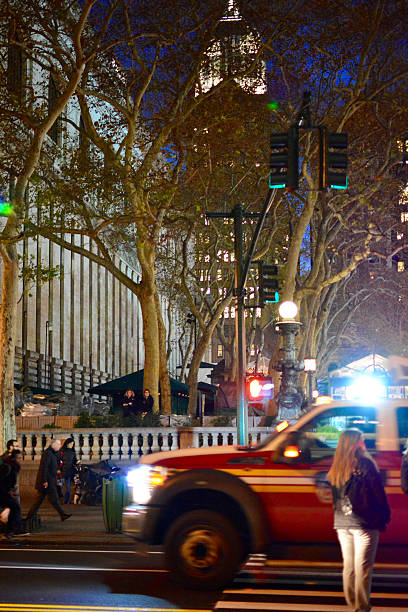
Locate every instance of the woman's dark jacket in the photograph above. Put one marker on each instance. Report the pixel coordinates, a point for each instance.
(67, 460)
(47, 472)
(146, 404)
(11, 469)
(379, 511)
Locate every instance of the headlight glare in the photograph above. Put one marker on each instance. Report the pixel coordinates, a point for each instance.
(144, 479)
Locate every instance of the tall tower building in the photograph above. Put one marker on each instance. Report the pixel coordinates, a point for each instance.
(235, 48)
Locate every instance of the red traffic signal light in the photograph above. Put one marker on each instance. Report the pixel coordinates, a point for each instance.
(255, 388)
(259, 387)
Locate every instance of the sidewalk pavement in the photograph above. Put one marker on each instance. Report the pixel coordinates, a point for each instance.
(84, 528)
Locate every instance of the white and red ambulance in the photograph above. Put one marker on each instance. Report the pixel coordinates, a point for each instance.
(211, 507)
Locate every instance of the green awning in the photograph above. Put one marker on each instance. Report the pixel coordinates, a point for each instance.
(134, 381)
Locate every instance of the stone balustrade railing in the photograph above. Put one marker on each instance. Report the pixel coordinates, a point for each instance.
(130, 444)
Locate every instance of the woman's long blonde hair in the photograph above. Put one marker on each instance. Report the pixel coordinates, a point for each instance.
(346, 457)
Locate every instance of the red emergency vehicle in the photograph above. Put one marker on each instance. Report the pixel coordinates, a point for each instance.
(211, 507)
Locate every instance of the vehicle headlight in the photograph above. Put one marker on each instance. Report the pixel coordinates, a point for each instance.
(144, 479)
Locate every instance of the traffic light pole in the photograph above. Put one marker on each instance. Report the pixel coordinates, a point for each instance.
(241, 273)
(240, 332)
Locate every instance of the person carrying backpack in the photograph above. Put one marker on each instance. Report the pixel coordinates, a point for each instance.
(361, 511)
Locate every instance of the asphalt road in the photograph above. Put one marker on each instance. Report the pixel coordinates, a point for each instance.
(68, 579)
(44, 579)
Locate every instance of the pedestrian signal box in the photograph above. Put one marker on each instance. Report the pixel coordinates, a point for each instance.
(259, 388)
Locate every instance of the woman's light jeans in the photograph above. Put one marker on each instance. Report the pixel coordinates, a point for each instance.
(358, 548)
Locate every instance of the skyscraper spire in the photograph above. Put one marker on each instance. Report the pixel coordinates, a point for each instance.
(232, 12)
(236, 46)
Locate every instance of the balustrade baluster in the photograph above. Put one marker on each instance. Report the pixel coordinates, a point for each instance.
(104, 447)
(154, 448)
(149, 443)
(44, 443)
(196, 438)
(84, 446)
(31, 447)
(140, 445)
(130, 448)
(120, 446)
(115, 449)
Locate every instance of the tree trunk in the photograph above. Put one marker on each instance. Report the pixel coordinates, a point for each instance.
(146, 255)
(197, 358)
(8, 317)
(165, 389)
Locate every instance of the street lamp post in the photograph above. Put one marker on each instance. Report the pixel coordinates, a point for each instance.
(310, 368)
(48, 332)
(289, 399)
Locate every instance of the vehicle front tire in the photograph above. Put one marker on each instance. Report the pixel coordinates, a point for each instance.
(203, 549)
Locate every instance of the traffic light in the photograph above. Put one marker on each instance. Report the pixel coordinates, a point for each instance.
(268, 283)
(5, 207)
(333, 159)
(259, 388)
(284, 163)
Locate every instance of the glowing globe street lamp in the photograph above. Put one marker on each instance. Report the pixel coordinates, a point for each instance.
(289, 399)
(288, 311)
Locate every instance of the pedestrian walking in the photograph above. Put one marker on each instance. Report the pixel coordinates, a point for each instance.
(10, 446)
(9, 498)
(46, 482)
(4, 515)
(361, 511)
(67, 460)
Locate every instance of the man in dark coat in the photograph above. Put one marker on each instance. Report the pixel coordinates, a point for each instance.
(10, 446)
(46, 482)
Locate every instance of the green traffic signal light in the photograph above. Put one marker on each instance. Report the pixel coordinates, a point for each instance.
(5, 209)
(268, 283)
(284, 160)
(333, 159)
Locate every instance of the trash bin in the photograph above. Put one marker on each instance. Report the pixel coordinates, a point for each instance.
(115, 496)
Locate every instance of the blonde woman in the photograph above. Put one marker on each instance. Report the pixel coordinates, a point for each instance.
(361, 511)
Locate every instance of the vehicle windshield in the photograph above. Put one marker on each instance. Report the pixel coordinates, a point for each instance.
(281, 426)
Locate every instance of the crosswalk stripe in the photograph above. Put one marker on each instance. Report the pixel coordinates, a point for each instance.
(15, 607)
(252, 590)
(237, 605)
(296, 608)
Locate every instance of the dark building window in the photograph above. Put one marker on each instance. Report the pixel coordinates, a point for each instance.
(15, 63)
